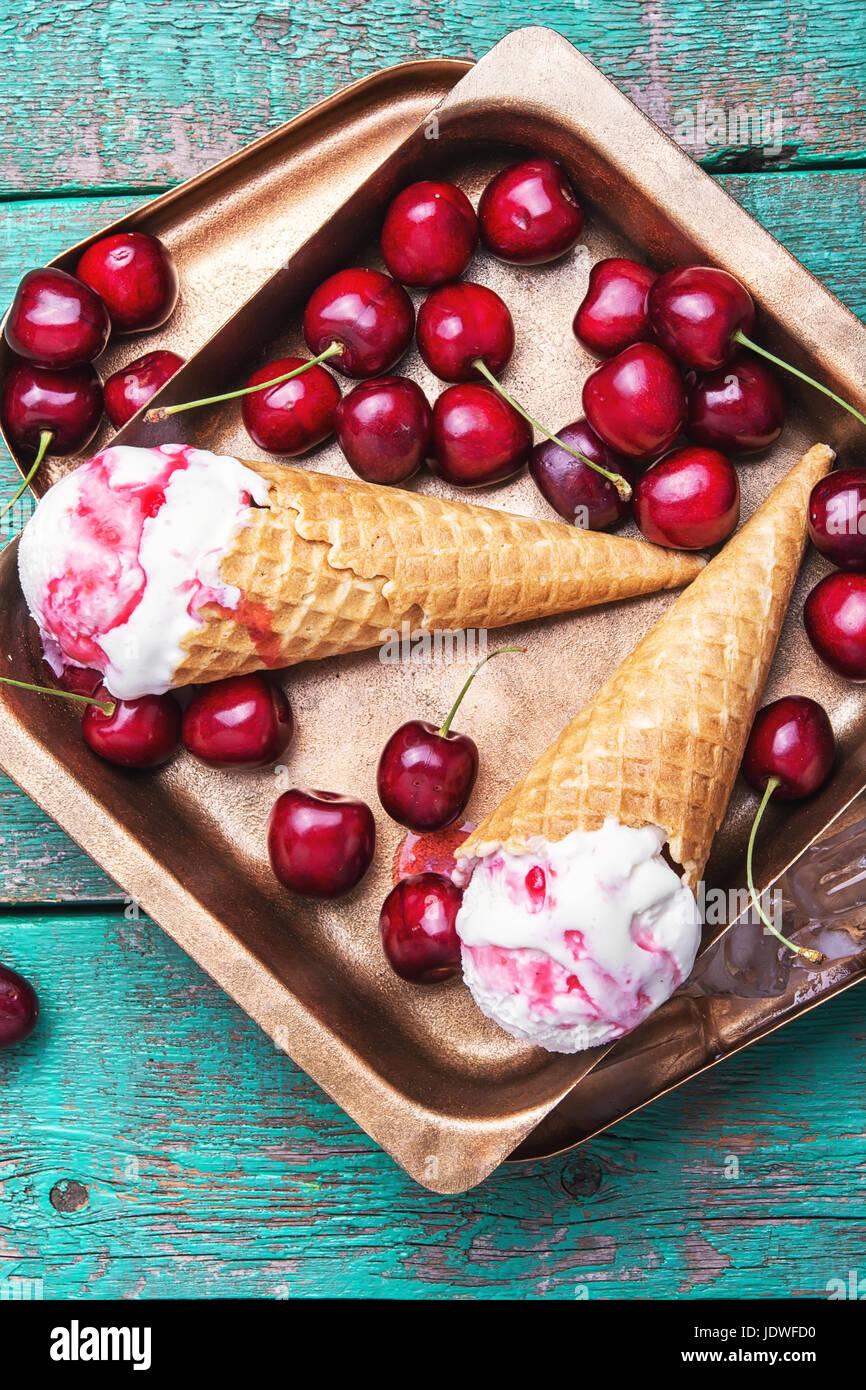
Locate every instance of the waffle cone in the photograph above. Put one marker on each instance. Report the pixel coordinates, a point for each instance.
(662, 741)
(332, 565)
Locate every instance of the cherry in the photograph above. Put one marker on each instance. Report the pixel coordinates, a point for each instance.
(19, 1007)
(690, 499)
(320, 844)
(417, 928)
(789, 755)
(458, 325)
(56, 321)
(702, 315)
(241, 722)
(835, 619)
(636, 401)
(128, 390)
(612, 314)
(367, 317)
(138, 733)
(837, 518)
(385, 429)
(578, 493)
(43, 408)
(294, 415)
(739, 408)
(478, 438)
(426, 775)
(529, 213)
(135, 275)
(429, 234)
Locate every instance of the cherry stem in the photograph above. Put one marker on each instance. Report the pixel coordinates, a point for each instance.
(814, 956)
(473, 673)
(619, 482)
(162, 412)
(810, 381)
(44, 440)
(107, 706)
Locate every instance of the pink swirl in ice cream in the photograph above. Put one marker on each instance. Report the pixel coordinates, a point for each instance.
(577, 942)
(120, 554)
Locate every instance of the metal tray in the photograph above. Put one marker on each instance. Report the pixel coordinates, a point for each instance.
(445, 1092)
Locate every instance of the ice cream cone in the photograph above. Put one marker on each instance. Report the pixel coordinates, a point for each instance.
(662, 741)
(332, 564)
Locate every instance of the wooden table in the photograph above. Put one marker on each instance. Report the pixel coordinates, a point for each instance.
(152, 1142)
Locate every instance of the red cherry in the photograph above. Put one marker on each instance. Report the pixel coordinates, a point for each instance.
(835, 620)
(478, 438)
(19, 1007)
(738, 408)
(577, 492)
(430, 233)
(135, 275)
(241, 722)
(417, 931)
(791, 741)
(295, 415)
(139, 733)
(369, 315)
(458, 324)
(696, 313)
(385, 429)
(128, 390)
(67, 405)
(690, 499)
(320, 844)
(529, 213)
(636, 401)
(612, 314)
(56, 321)
(837, 518)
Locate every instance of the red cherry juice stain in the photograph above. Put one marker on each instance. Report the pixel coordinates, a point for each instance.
(429, 853)
(256, 618)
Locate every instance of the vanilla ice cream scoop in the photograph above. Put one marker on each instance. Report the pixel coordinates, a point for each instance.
(121, 553)
(576, 942)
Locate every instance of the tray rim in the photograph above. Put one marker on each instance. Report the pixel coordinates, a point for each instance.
(531, 1115)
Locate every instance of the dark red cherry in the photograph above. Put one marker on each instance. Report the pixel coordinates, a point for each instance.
(135, 275)
(320, 844)
(835, 621)
(739, 408)
(130, 388)
(139, 733)
(19, 1007)
(67, 404)
(529, 213)
(577, 492)
(241, 722)
(430, 233)
(385, 429)
(417, 928)
(613, 314)
(696, 313)
(636, 401)
(478, 438)
(791, 741)
(368, 314)
(56, 321)
(690, 499)
(458, 324)
(295, 415)
(837, 518)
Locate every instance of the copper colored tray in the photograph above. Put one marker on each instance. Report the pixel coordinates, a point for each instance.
(443, 1090)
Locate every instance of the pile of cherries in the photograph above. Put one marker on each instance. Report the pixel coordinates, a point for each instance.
(59, 324)
(835, 611)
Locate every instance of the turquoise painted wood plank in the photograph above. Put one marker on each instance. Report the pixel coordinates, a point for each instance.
(154, 1144)
(161, 91)
(821, 217)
